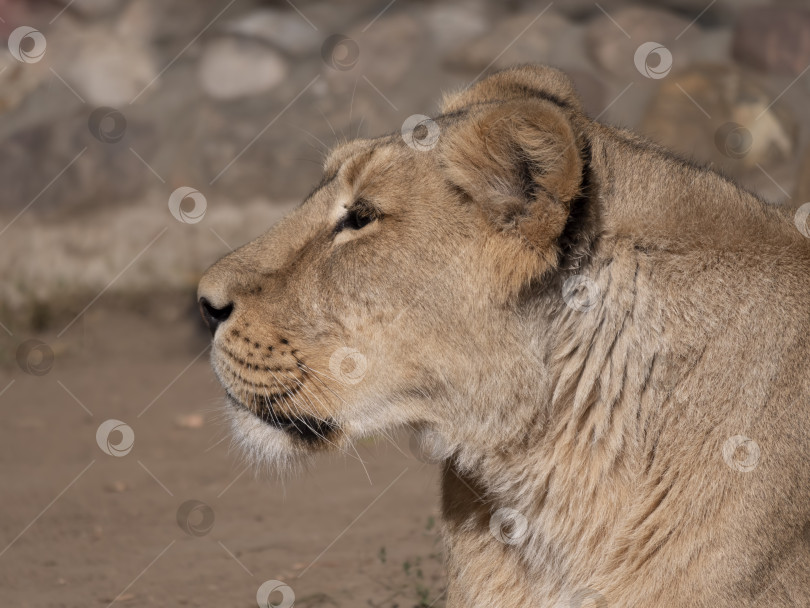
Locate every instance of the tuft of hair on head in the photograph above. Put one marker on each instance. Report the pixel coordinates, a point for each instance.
(519, 82)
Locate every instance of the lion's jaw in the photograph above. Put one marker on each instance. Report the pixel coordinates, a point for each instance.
(375, 383)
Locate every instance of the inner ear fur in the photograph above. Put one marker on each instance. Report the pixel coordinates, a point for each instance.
(520, 163)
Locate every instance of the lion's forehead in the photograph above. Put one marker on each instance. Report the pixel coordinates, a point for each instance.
(373, 167)
(355, 150)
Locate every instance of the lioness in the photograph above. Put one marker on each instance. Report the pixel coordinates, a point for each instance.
(609, 344)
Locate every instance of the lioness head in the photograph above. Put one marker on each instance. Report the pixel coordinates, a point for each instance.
(395, 294)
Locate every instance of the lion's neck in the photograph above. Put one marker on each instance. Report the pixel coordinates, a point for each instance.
(574, 463)
(582, 377)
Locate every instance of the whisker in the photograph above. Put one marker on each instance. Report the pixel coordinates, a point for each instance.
(351, 443)
(297, 408)
(313, 136)
(382, 431)
(327, 122)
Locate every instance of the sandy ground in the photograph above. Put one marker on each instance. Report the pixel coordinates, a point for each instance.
(79, 527)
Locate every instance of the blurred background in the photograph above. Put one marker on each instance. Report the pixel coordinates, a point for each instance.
(140, 140)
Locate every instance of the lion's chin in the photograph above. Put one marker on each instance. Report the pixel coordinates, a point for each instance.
(308, 429)
(278, 445)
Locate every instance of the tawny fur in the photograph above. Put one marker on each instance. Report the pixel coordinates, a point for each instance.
(602, 426)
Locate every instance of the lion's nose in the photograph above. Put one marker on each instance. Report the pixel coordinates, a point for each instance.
(213, 316)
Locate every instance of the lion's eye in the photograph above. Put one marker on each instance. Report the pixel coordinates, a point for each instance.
(358, 216)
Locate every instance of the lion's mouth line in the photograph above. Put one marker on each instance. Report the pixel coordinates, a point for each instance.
(309, 428)
(304, 426)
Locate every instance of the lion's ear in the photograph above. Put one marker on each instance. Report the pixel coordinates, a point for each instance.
(520, 163)
(520, 82)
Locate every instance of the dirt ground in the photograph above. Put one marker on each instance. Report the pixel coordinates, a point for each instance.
(79, 527)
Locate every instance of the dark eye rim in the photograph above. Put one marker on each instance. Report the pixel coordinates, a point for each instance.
(358, 216)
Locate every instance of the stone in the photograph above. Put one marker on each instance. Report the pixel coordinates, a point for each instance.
(615, 41)
(583, 10)
(284, 29)
(93, 9)
(724, 116)
(108, 65)
(377, 78)
(712, 14)
(283, 162)
(189, 421)
(79, 255)
(19, 80)
(232, 67)
(452, 25)
(385, 52)
(516, 39)
(116, 486)
(802, 193)
(774, 39)
(50, 154)
(591, 90)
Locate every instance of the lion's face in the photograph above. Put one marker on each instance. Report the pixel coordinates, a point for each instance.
(382, 299)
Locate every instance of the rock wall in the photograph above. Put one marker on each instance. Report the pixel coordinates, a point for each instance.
(197, 124)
